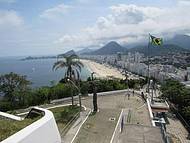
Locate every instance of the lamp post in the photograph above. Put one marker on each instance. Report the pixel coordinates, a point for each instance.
(78, 91)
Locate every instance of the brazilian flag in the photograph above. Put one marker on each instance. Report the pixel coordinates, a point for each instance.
(156, 41)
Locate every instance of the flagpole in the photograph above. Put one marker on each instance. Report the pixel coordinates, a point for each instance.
(148, 63)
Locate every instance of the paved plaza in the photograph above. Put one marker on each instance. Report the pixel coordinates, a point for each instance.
(99, 128)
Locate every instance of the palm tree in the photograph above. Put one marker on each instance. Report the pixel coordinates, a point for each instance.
(73, 67)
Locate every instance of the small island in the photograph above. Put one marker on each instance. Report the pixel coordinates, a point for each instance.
(37, 58)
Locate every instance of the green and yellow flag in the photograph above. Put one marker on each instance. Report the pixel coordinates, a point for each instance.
(156, 41)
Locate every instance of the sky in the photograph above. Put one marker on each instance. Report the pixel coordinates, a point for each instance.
(50, 27)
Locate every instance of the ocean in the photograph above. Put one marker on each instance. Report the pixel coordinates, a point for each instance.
(39, 71)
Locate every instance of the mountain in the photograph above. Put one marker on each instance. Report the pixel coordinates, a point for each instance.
(85, 51)
(109, 49)
(180, 40)
(159, 50)
(69, 53)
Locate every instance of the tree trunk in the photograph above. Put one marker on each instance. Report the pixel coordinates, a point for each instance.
(70, 76)
(72, 95)
(95, 99)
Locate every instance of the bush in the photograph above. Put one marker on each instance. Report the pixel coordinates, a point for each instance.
(84, 88)
(5, 106)
(41, 95)
(62, 90)
(107, 85)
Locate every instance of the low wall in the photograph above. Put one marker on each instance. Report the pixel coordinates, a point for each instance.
(111, 92)
(43, 130)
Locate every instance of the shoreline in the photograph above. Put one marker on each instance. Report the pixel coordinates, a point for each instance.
(102, 71)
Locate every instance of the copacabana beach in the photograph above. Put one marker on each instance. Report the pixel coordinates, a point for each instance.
(102, 71)
(40, 72)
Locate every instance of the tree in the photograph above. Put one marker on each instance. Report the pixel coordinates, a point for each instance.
(73, 68)
(172, 90)
(186, 112)
(11, 84)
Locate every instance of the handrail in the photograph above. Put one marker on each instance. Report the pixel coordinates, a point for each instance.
(67, 126)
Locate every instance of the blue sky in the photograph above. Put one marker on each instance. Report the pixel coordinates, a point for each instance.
(46, 27)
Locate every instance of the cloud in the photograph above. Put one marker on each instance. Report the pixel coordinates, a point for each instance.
(7, 1)
(56, 12)
(131, 23)
(11, 26)
(10, 19)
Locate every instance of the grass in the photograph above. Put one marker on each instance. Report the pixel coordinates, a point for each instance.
(62, 116)
(9, 127)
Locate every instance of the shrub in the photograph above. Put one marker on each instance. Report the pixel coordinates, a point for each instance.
(84, 88)
(5, 106)
(62, 90)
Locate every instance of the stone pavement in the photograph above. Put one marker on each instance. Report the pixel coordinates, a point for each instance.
(176, 128)
(137, 127)
(99, 128)
(139, 134)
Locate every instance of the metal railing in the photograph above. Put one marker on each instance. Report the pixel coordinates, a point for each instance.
(164, 134)
(69, 124)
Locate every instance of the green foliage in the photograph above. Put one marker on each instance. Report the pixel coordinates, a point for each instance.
(72, 69)
(5, 106)
(176, 93)
(84, 87)
(172, 90)
(41, 95)
(13, 83)
(24, 96)
(107, 85)
(9, 127)
(72, 65)
(65, 114)
(62, 116)
(62, 90)
(186, 112)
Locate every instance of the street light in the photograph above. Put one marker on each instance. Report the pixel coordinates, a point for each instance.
(78, 91)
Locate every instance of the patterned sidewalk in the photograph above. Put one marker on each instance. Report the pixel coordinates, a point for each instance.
(176, 128)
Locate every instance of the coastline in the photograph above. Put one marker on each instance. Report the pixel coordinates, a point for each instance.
(102, 71)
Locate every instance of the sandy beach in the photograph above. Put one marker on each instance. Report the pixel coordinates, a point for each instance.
(102, 71)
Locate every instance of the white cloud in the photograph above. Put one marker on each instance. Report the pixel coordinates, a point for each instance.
(10, 19)
(11, 26)
(7, 1)
(131, 23)
(56, 12)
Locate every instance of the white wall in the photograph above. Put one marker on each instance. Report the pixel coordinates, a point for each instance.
(43, 130)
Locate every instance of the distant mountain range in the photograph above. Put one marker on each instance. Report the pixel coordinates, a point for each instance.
(69, 53)
(109, 49)
(85, 51)
(180, 40)
(157, 51)
(179, 43)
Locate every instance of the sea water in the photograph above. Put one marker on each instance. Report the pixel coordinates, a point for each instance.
(38, 71)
